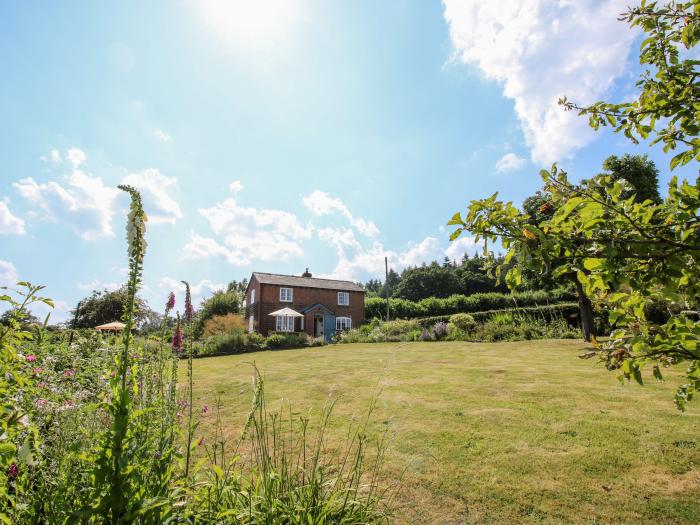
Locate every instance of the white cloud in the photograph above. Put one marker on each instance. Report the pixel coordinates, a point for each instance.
(83, 202)
(75, 156)
(8, 273)
(425, 251)
(236, 186)
(321, 203)
(248, 233)
(55, 156)
(356, 262)
(59, 313)
(156, 188)
(198, 290)
(162, 135)
(98, 285)
(9, 223)
(509, 162)
(461, 246)
(540, 50)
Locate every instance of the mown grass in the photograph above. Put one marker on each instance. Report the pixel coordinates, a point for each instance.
(490, 433)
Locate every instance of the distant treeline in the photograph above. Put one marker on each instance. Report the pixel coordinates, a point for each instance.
(465, 277)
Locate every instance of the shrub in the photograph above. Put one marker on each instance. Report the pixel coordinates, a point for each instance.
(463, 322)
(398, 327)
(425, 336)
(221, 324)
(285, 340)
(440, 330)
(234, 342)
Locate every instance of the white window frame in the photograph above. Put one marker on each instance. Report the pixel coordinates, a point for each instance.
(284, 323)
(346, 296)
(343, 323)
(252, 296)
(286, 295)
(251, 324)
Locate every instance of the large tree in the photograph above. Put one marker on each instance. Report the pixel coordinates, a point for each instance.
(626, 252)
(105, 306)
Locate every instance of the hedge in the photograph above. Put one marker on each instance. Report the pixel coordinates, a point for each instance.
(568, 311)
(375, 307)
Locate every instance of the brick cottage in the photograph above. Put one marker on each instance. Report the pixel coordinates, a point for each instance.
(290, 303)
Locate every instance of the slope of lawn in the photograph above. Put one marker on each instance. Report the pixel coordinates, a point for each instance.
(490, 433)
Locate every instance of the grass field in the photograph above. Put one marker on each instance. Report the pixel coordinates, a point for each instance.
(491, 433)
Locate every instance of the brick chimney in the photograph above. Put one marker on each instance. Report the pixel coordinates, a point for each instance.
(306, 273)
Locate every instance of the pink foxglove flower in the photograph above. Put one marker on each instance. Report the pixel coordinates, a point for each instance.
(205, 409)
(31, 358)
(171, 302)
(177, 341)
(12, 471)
(189, 309)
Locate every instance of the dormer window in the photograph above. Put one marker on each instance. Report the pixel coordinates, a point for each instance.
(343, 298)
(286, 295)
(252, 296)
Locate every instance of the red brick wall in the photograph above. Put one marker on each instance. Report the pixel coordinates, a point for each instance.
(267, 301)
(253, 309)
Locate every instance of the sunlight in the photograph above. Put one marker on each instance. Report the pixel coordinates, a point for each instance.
(260, 26)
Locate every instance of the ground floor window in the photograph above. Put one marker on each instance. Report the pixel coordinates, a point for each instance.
(285, 323)
(251, 324)
(343, 323)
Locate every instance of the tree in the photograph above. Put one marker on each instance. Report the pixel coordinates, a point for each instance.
(667, 107)
(105, 306)
(639, 171)
(23, 317)
(627, 253)
(220, 303)
(238, 286)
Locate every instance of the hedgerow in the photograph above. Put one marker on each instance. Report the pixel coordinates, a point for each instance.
(375, 307)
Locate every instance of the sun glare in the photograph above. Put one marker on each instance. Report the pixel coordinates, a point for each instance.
(252, 25)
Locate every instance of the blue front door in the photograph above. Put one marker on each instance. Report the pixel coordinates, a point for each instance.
(328, 326)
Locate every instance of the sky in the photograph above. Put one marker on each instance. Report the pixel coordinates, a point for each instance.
(276, 135)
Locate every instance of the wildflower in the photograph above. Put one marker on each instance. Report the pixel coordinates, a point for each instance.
(37, 370)
(177, 340)
(24, 421)
(171, 302)
(31, 358)
(189, 309)
(135, 225)
(42, 384)
(41, 402)
(200, 442)
(205, 409)
(12, 471)
(69, 373)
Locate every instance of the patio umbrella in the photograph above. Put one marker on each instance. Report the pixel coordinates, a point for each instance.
(114, 326)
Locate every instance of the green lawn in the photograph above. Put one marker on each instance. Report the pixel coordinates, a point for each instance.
(492, 433)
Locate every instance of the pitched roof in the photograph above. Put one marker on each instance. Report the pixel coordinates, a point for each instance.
(307, 282)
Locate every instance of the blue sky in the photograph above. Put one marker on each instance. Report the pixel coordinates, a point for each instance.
(275, 135)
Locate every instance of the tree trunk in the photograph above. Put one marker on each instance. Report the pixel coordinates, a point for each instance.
(586, 312)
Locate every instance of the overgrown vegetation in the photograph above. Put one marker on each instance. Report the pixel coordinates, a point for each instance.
(515, 324)
(105, 434)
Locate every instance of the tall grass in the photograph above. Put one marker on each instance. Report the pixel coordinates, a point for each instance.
(110, 439)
